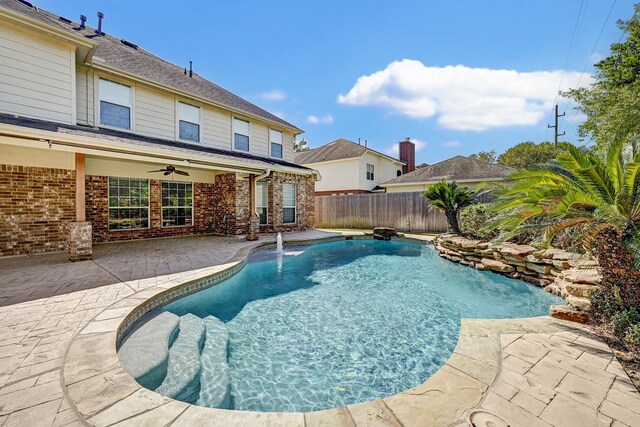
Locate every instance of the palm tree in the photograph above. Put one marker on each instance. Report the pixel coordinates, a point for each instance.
(578, 188)
(450, 198)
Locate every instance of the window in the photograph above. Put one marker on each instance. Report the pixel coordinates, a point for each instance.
(275, 136)
(398, 172)
(128, 203)
(369, 172)
(115, 104)
(177, 203)
(188, 122)
(240, 134)
(262, 201)
(289, 203)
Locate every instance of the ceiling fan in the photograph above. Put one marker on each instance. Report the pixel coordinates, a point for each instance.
(171, 169)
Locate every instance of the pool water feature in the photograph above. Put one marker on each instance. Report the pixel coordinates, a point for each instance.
(340, 323)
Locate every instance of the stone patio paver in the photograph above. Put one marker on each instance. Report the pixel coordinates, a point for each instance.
(534, 372)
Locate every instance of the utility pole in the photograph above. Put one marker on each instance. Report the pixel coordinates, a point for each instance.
(555, 128)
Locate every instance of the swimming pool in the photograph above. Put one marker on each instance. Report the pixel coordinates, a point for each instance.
(330, 325)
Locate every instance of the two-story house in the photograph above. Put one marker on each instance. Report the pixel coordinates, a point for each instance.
(351, 168)
(101, 140)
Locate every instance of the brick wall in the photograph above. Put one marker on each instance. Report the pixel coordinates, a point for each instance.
(36, 206)
(97, 210)
(233, 194)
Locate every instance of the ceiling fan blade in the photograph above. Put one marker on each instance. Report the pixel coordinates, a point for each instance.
(181, 173)
(159, 170)
(168, 173)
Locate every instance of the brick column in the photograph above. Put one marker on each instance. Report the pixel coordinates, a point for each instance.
(80, 246)
(79, 240)
(253, 226)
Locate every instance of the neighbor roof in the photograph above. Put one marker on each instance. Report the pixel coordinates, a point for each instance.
(336, 150)
(144, 64)
(458, 168)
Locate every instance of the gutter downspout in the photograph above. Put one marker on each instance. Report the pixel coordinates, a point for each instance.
(264, 175)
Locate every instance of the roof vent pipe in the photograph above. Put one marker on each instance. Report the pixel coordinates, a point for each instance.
(83, 21)
(190, 68)
(365, 143)
(100, 17)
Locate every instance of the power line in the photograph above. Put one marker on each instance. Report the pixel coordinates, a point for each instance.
(566, 61)
(595, 45)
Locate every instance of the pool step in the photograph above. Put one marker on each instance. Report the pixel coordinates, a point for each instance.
(214, 375)
(144, 355)
(183, 370)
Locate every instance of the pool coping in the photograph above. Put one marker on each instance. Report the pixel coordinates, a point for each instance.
(102, 393)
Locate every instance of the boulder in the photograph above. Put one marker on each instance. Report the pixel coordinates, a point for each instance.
(494, 265)
(580, 290)
(589, 277)
(516, 251)
(565, 312)
(384, 233)
(579, 303)
(539, 268)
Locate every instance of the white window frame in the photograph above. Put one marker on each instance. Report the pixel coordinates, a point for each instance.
(200, 114)
(118, 207)
(295, 205)
(278, 143)
(265, 186)
(132, 118)
(233, 134)
(372, 172)
(162, 207)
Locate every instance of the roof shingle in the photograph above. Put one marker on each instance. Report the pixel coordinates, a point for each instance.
(335, 150)
(457, 168)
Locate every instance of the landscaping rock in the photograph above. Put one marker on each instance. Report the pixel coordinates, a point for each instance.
(384, 233)
(516, 251)
(494, 265)
(579, 290)
(583, 304)
(539, 268)
(565, 312)
(588, 277)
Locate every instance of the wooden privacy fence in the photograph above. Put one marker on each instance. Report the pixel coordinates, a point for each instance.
(402, 211)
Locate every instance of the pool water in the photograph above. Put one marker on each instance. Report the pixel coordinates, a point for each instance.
(349, 321)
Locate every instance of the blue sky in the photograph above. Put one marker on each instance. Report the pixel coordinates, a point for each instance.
(455, 76)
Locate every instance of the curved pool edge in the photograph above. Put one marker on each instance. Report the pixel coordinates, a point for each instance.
(101, 392)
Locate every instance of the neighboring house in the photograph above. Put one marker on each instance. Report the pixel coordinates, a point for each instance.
(466, 171)
(85, 119)
(347, 167)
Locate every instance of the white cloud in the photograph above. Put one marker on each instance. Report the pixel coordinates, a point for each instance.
(451, 144)
(324, 120)
(394, 150)
(461, 97)
(274, 95)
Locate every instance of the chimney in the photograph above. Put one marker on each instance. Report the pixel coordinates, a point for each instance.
(408, 154)
(83, 21)
(100, 17)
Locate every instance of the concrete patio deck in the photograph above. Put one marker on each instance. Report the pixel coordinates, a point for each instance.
(526, 371)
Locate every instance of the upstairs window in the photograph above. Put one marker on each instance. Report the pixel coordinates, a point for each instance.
(240, 134)
(276, 138)
(369, 172)
(262, 201)
(115, 104)
(188, 122)
(289, 192)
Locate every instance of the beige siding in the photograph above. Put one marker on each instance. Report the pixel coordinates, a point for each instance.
(259, 141)
(155, 113)
(339, 175)
(216, 128)
(287, 150)
(383, 170)
(84, 96)
(36, 76)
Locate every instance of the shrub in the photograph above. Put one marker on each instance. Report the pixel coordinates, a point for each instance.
(473, 218)
(632, 337)
(622, 320)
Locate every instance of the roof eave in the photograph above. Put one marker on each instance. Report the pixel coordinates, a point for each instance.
(433, 181)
